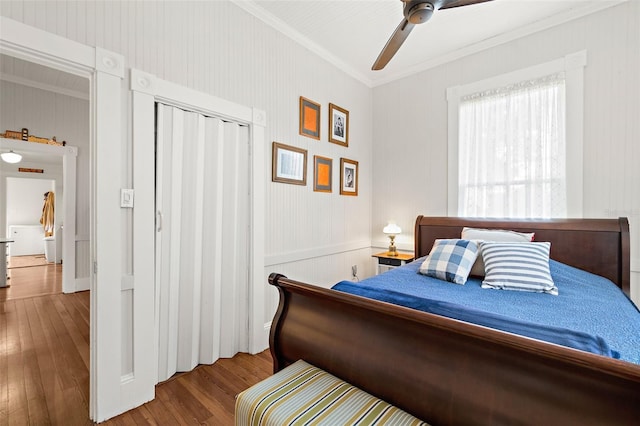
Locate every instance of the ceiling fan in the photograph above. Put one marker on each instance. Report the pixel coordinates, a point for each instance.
(415, 12)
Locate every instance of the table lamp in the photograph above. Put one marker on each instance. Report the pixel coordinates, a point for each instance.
(392, 230)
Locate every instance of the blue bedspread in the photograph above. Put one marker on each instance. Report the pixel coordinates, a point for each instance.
(590, 313)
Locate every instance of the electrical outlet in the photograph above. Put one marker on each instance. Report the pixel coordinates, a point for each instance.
(354, 270)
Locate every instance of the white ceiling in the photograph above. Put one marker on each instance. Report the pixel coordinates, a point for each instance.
(30, 74)
(351, 33)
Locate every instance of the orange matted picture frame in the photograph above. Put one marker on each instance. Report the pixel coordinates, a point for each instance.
(348, 177)
(309, 118)
(322, 173)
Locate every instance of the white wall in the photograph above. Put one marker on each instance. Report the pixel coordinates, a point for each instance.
(24, 201)
(25, 198)
(217, 48)
(410, 116)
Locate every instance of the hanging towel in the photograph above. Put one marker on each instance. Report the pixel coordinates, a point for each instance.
(47, 218)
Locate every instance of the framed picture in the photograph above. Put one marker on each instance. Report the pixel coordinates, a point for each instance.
(338, 125)
(348, 177)
(289, 164)
(309, 118)
(322, 172)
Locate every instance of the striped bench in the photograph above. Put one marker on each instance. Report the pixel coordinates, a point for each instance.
(304, 394)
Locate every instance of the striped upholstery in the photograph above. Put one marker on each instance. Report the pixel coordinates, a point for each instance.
(302, 394)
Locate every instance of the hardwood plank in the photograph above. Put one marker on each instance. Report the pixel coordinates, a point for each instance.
(44, 356)
(18, 409)
(67, 367)
(33, 281)
(38, 358)
(4, 369)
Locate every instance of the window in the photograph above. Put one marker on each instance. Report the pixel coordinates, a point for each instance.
(515, 143)
(511, 160)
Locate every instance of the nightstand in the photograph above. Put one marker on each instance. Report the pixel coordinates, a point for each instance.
(386, 262)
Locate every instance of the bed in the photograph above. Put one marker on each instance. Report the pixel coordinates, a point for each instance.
(447, 371)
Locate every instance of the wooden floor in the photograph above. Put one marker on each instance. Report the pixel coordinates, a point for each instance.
(30, 281)
(44, 368)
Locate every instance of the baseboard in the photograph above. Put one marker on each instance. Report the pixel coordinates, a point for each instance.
(83, 284)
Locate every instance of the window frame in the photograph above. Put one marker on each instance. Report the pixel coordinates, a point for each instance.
(573, 67)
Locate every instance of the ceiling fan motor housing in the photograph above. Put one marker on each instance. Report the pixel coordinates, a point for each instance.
(418, 13)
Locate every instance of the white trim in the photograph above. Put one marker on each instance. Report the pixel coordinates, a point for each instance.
(35, 45)
(573, 66)
(104, 70)
(145, 85)
(38, 148)
(273, 21)
(312, 253)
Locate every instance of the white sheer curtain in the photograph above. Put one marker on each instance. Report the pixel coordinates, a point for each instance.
(512, 151)
(202, 197)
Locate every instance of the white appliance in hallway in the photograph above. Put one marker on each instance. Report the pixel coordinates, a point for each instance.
(28, 240)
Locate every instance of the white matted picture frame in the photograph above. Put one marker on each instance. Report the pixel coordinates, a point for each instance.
(338, 125)
(348, 177)
(289, 164)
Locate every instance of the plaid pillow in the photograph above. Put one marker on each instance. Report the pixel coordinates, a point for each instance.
(450, 260)
(518, 266)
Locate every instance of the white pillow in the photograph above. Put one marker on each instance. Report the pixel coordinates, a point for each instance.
(497, 235)
(518, 266)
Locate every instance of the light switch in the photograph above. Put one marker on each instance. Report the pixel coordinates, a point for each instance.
(126, 198)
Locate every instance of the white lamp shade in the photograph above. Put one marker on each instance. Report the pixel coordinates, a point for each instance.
(392, 229)
(11, 157)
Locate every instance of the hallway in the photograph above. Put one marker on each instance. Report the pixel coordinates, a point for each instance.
(31, 276)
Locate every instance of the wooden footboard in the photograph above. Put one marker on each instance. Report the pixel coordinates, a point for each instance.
(446, 371)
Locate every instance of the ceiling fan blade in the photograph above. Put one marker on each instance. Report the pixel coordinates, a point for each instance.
(399, 36)
(458, 3)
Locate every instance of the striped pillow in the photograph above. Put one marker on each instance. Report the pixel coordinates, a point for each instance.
(518, 266)
(450, 260)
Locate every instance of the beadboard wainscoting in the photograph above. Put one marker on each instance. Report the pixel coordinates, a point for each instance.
(322, 266)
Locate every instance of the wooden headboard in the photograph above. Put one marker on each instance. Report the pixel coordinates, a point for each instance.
(599, 246)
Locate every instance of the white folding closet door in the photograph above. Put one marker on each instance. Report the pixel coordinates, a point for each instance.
(202, 197)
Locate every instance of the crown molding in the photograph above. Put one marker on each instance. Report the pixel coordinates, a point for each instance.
(252, 7)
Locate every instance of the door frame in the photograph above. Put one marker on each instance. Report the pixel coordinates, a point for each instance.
(105, 71)
(147, 90)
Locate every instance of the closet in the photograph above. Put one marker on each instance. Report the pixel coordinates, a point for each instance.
(202, 238)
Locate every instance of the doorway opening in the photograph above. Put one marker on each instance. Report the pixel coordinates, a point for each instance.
(44, 103)
(34, 263)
